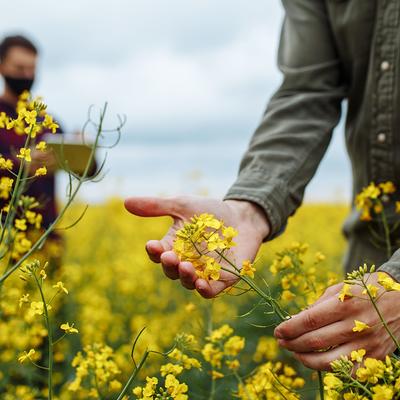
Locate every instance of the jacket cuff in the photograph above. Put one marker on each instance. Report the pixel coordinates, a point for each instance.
(269, 197)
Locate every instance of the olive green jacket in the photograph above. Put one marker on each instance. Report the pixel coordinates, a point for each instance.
(330, 50)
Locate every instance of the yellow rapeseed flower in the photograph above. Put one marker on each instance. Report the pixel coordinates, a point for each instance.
(37, 307)
(170, 368)
(50, 124)
(373, 290)
(247, 269)
(20, 224)
(6, 184)
(383, 392)
(41, 146)
(345, 293)
(357, 355)
(25, 154)
(60, 286)
(387, 187)
(26, 356)
(6, 163)
(387, 282)
(24, 299)
(41, 171)
(68, 328)
(360, 326)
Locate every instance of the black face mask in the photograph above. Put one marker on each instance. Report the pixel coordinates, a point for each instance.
(18, 85)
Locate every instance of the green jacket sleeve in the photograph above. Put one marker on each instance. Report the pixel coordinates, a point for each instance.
(297, 125)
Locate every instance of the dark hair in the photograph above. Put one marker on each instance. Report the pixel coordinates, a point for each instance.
(15, 41)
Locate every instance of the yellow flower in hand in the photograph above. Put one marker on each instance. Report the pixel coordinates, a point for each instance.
(345, 293)
(360, 326)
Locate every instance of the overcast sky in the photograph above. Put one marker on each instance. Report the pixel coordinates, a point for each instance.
(189, 75)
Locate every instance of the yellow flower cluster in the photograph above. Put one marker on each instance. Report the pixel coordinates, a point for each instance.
(172, 387)
(31, 119)
(267, 349)
(372, 198)
(221, 349)
(6, 185)
(201, 240)
(375, 379)
(271, 381)
(95, 370)
(301, 282)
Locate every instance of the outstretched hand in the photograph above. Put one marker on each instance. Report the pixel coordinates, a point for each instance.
(248, 218)
(329, 323)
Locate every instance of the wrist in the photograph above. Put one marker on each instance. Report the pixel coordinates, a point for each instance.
(253, 215)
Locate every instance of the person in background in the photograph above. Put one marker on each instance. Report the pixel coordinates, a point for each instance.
(18, 66)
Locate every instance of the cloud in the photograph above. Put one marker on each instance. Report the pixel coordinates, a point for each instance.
(190, 76)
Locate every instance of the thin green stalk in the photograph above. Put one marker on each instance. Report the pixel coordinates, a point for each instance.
(381, 316)
(356, 383)
(50, 338)
(240, 381)
(212, 389)
(15, 191)
(133, 376)
(321, 386)
(271, 300)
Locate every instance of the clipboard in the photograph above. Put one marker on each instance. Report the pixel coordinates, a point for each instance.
(70, 154)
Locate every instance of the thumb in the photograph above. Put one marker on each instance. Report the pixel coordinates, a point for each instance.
(151, 206)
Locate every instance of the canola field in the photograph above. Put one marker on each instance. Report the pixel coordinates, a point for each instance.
(114, 291)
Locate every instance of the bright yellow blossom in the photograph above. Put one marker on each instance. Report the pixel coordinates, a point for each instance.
(49, 123)
(20, 224)
(25, 154)
(38, 307)
(60, 286)
(357, 355)
(41, 171)
(372, 290)
(68, 328)
(360, 326)
(247, 269)
(26, 356)
(6, 163)
(345, 292)
(41, 146)
(387, 282)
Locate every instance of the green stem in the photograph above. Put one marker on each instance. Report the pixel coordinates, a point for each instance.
(133, 376)
(276, 306)
(240, 381)
(50, 338)
(356, 383)
(15, 192)
(321, 386)
(381, 316)
(212, 389)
